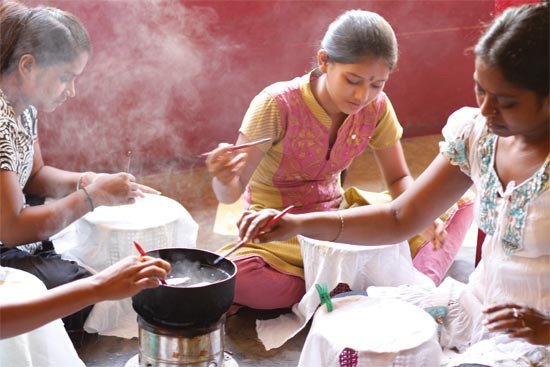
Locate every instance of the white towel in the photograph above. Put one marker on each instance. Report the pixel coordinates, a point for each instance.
(333, 263)
(105, 236)
(48, 345)
(372, 332)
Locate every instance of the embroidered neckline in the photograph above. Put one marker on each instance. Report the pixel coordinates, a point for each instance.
(517, 199)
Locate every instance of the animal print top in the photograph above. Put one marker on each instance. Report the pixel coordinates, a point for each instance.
(17, 137)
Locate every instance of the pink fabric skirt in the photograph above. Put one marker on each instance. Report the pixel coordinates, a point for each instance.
(436, 263)
(260, 286)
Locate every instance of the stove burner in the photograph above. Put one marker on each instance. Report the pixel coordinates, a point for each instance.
(189, 330)
(228, 361)
(199, 345)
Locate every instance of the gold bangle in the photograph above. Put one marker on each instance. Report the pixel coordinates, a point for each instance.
(88, 198)
(341, 226)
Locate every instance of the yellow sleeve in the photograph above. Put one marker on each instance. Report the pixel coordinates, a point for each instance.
(388, 130)
(262, 120)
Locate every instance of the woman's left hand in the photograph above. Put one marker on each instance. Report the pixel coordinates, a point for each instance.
(87, 178)
(435, 233)
(519, 322)
(144, 189)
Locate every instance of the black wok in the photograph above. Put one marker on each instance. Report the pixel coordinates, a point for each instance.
(176, 306)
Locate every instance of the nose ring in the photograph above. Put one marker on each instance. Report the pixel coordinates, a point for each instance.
(492, 113)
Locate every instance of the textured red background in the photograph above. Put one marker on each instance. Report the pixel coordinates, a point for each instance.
(170, 79)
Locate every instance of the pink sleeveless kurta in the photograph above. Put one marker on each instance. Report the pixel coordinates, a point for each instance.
(308, 175)
(308, 171)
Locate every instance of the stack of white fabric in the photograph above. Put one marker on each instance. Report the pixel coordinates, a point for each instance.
(365, 331)
(333, 263)
(106, 235)
(49, 345)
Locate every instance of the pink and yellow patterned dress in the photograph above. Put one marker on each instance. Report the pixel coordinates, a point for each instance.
(300, 167)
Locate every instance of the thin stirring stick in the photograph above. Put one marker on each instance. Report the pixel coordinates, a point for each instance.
(237, 246)
(129, 154)
(242, 146)
(143, 253)
(269, 223)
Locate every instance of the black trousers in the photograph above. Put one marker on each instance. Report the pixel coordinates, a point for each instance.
(53, 271)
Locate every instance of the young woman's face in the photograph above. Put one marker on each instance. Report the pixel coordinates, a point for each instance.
(509, 110)
(353, 86)
(50, 86)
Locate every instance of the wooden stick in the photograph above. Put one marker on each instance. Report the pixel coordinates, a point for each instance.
(241, 146)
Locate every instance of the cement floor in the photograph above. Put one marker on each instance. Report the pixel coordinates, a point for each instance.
(192, 189)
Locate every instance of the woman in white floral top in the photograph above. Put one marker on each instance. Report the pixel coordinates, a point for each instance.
(502, 316)
(43, 51)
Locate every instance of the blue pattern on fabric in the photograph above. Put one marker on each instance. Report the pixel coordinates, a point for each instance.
(519, 200)
(456, 150)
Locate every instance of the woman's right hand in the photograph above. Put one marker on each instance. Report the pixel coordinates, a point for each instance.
(252, 221)
(223, 164)
(129, 276)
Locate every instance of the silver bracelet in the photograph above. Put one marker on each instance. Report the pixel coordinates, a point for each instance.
(88, 198)
(341, 226)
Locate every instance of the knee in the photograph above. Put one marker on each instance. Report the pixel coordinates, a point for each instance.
(262, 287)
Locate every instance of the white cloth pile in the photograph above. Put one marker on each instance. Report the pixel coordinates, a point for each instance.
(49, 345)
(106, 235)
(365, 331)
(333, 263)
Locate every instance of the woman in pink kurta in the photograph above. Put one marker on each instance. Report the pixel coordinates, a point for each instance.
(318, 124)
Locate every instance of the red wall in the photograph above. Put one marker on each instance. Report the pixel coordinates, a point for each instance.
(170, 79)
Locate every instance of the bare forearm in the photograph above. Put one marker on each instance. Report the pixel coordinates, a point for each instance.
(40, 222)
(227, 193)
(52, 182)
(399, 186)
(22, 316)
(394, 222)
(435, 190)
(368, 225)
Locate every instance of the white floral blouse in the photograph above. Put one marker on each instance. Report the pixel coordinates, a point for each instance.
(516, 219)
(515, 264)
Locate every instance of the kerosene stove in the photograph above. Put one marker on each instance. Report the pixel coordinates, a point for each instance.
(183, 326)
(189, 346)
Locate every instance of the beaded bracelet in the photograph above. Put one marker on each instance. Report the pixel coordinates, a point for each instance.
(88, 198)
(341, 226)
